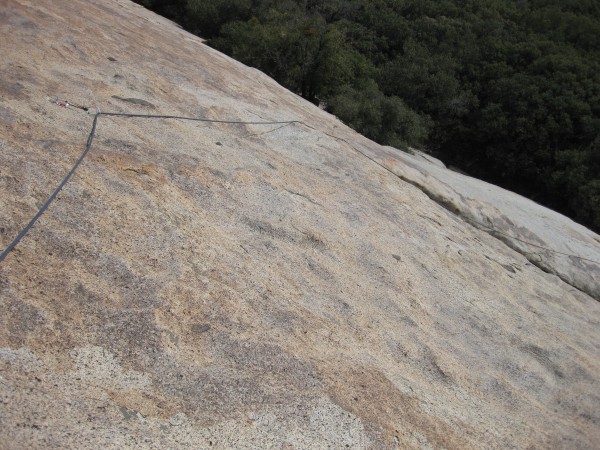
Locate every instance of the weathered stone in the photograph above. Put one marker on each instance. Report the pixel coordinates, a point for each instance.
(202, 285)
(548, 239)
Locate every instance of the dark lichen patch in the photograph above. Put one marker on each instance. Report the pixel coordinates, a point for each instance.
(135, 101)
(274, 314)
(244, 376)
(4, 280)
(19, 320)
(12, 89)
(133, 288)
(118, 144)
(499, 390)
(426, 360)
(265, 228)
(303, 238)
(208, 394)
(69, 246)
(408, 321)
(318, 269)
(7, 116)
(544, 358)
(199, 328)
(437, 371)
(509, 268)
(17, 20)
(312, 240)
(282, 319)
(368, 393)
(128, 414)
(88, 301)
(264, 358)
(132, 335)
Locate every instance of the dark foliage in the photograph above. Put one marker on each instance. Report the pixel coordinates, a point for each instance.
(507, 90)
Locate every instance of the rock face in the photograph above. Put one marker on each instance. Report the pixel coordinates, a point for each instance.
(204, 285)
(549, 240)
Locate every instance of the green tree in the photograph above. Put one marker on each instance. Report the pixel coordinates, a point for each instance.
(505, 89)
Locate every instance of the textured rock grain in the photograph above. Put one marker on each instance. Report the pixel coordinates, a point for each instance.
(200, 285)
(549, 240)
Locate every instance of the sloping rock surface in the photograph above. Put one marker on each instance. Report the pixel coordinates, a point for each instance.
(204, 285)
(549, 240)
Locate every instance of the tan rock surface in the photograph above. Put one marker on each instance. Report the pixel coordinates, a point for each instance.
(236, 286)
(548, 239)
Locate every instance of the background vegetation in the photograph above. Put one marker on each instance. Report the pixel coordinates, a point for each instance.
(507, 90)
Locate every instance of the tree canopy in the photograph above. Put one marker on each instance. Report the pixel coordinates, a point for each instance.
(506, 90)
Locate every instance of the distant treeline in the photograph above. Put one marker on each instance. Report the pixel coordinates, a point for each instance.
(507, 90)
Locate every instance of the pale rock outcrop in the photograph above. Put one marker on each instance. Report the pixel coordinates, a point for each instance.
(249, 286)
(548, 239)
